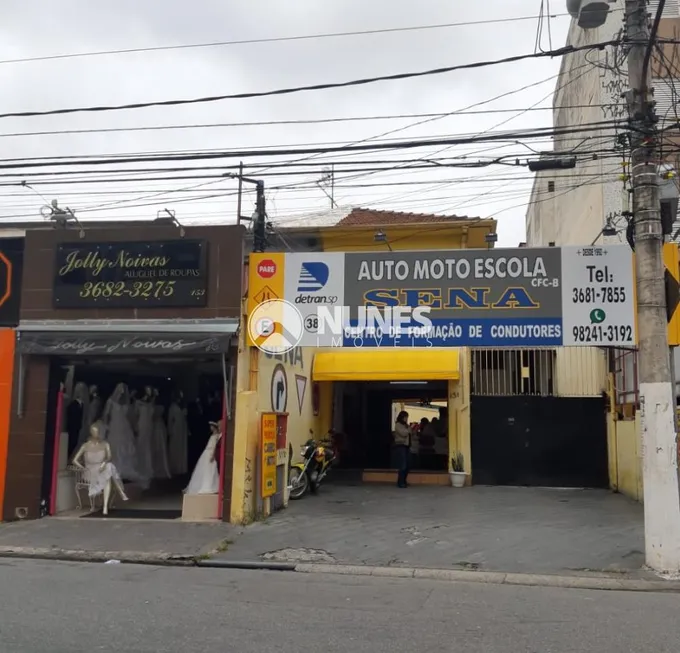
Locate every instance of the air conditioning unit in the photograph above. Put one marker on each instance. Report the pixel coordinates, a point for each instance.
(589, 14)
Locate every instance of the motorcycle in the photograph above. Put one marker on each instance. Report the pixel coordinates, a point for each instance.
(306, 476)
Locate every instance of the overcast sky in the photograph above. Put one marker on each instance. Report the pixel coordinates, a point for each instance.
(45, 27)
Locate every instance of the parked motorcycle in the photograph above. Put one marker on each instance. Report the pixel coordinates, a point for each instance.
(306, 476)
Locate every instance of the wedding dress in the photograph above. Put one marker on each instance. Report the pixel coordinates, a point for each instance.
(143, 421)
(179, 437)
(159, 445)
(120, 436)
(206, 478)
(98, 474)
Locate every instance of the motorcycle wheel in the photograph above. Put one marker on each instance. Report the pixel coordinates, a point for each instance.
(299, 483)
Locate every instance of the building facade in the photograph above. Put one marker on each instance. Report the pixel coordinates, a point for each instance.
(154, 309)
(573, 207)
(493, 406)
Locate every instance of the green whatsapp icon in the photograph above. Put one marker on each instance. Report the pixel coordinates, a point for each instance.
(597, 316)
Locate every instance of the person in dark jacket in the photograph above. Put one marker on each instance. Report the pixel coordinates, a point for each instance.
(403, 435)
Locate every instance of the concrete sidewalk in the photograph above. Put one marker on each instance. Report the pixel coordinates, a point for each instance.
(516, 530)
(130, 539)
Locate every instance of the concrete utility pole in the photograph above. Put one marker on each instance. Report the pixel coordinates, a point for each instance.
(657, 394)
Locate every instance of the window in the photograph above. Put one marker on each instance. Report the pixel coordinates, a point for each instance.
(551, 186)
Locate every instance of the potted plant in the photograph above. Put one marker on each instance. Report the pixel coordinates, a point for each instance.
(457, 473)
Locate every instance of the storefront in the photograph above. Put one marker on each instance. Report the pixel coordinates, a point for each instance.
(134, 330)
(11, 260)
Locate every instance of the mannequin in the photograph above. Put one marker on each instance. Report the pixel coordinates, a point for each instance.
(91, 413)
(120, 435)
(159, 441)
(143, 423)
(178, 431)
(206, 478)
(101, 472)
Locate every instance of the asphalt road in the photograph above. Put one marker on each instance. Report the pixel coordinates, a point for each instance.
(71, 608)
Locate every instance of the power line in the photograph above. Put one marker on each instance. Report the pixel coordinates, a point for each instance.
(308, 121)
(276, 39)
(396, 145)
(569, 49)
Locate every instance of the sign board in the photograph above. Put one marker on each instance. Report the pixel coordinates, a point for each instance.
(525, 297)
(269, 456)
(108, 344)
(11, 264)
(169, 273)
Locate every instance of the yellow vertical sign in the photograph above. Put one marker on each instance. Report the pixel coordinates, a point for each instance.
(265, 281)
(268, 454)
(671, 259)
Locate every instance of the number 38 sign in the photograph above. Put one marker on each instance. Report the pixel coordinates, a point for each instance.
(119, 275)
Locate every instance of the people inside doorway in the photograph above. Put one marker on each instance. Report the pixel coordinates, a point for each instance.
(403, 435)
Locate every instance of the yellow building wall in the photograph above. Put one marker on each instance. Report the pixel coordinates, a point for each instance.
(580, 371)
(625, 460)
(264, 372)
(459, 415)
(401, 237)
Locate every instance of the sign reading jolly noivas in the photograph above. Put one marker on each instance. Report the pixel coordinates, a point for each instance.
(487, 298)
(137, 274)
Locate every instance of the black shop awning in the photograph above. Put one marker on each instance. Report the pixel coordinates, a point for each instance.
(125, 337)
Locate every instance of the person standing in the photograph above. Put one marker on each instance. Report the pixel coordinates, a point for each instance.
(403, 435)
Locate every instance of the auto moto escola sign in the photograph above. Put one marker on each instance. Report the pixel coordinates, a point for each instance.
(524, 297)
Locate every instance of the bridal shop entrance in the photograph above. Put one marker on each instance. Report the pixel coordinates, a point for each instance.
(156, 415)
(135, 416)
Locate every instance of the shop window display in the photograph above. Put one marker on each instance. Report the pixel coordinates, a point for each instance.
(155, 442)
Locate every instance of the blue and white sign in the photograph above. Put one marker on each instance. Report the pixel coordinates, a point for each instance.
(526, 297)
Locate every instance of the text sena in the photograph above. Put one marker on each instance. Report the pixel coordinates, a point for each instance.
(501, 267)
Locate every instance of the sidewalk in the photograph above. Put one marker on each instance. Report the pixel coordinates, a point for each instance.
(516, 530)
(100, 539)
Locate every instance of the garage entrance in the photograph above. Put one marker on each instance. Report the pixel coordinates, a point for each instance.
(521, 434)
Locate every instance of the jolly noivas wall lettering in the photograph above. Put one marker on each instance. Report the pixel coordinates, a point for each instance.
(123, 275)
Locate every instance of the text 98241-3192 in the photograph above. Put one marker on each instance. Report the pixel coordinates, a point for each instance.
(599, 333)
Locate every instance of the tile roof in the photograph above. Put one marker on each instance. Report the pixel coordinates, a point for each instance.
(356, 216)
(375, 218)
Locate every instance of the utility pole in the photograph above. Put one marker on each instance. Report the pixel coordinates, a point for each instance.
(657, 394)
(259, 219)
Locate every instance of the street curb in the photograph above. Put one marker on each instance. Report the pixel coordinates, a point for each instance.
(452, 575)
(497, 578)
(77, 555)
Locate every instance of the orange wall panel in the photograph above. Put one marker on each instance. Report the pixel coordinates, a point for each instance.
(7, 341)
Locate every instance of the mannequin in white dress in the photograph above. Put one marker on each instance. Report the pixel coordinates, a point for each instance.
(178, 431)
(206, 477)
(120, 435)
(142, 420)
(159, 441)
(101, 472)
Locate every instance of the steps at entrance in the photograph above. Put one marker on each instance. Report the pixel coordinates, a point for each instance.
(414, 478)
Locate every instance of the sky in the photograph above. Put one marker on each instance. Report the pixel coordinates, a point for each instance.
(44, 28)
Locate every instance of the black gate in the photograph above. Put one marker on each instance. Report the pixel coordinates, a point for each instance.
(539, 441)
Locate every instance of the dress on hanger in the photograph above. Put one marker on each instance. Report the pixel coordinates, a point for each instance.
(206, 478)
(143, 421)
(120, 435)
(178, 431)
(159, 445)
